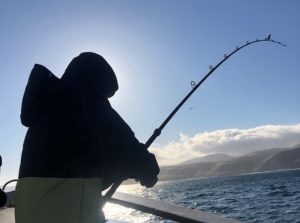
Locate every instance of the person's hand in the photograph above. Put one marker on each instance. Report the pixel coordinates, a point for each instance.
(149, 178)
(149, 182)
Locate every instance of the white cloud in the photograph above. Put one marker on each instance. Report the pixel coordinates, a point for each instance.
(230, 141)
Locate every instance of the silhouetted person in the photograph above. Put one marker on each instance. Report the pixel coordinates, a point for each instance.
(3, 197)
(76, 144)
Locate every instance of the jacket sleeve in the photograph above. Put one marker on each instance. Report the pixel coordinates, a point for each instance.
(127, 157)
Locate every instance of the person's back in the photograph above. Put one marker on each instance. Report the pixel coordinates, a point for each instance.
(74, 143)
(61, 136)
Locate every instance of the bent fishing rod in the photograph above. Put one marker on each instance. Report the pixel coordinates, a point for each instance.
(195, 86)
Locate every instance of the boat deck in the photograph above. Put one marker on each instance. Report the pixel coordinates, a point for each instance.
(7, 215)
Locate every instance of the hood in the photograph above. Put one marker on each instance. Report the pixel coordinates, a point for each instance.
(38, 92)
(90, 72)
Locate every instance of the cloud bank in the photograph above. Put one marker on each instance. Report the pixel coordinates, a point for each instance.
(234, 142)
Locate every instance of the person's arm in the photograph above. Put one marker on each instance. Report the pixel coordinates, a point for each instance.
(129, 157)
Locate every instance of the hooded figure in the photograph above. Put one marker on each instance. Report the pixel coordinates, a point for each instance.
(76, 144)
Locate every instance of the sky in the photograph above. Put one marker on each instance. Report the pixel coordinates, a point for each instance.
(156, 49)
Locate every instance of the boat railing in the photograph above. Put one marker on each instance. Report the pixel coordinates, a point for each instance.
(166, 210)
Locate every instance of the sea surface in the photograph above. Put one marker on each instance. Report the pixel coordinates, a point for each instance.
(255, 198)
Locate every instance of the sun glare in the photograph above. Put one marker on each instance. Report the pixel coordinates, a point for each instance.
(117, 212)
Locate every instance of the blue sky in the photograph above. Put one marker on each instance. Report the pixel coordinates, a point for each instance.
(156, 49)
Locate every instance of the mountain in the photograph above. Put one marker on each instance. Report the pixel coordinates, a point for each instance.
(266, 152)
(258, 161)
(208, 158)
(285, 160)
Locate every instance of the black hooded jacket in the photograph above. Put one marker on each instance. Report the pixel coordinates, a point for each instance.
(75, 133)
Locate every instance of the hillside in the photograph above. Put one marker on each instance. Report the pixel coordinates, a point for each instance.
(285, 160)
(208, 158)
(265, 160)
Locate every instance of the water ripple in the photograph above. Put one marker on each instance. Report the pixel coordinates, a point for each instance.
(271, 197)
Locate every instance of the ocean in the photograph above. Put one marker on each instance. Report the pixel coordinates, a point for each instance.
(253, 198)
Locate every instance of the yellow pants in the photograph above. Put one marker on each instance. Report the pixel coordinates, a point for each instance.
(58, 200)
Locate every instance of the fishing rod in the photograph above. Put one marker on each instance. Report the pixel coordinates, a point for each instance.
(195, 86)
